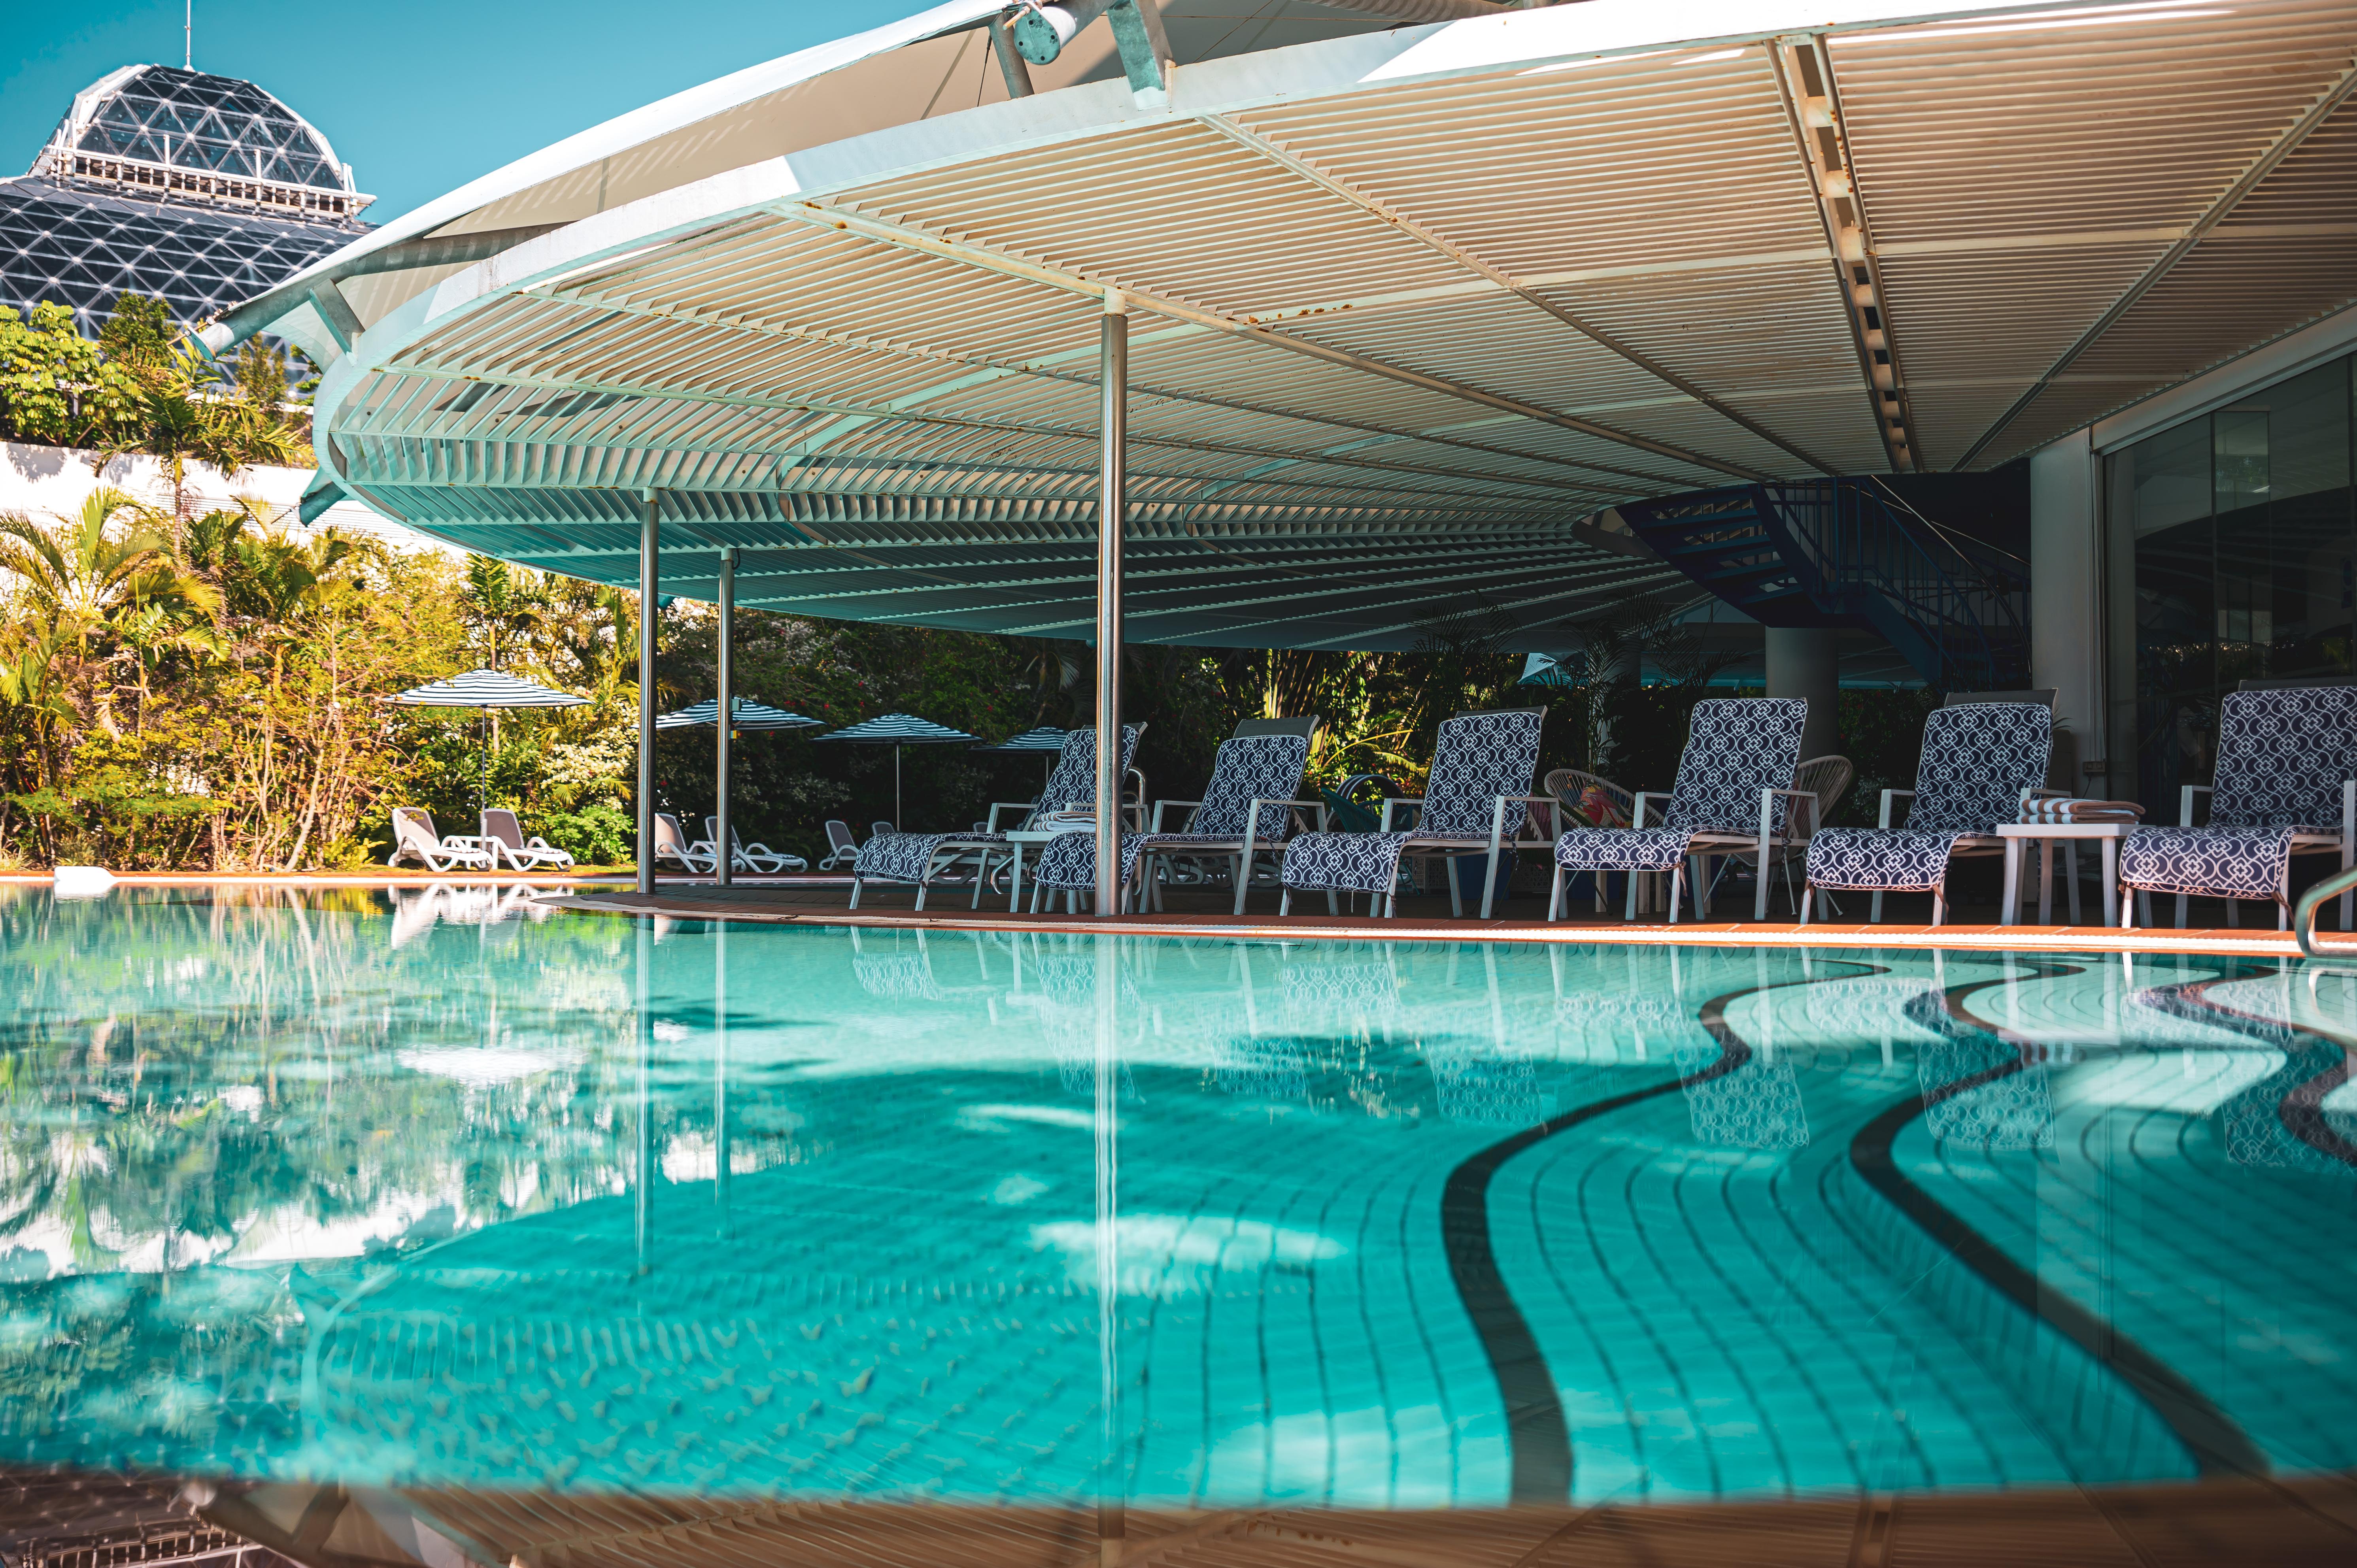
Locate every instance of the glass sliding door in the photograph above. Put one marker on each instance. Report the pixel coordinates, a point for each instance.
(2231, 542)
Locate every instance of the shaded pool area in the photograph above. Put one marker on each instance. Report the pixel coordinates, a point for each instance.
(458, 1195)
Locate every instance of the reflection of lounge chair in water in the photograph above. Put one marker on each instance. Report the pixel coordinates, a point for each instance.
(1480, 1087)
(896, 976)
(2006, 1110)
(1756, 1106)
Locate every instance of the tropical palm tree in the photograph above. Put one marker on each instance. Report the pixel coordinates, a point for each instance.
(103, 562)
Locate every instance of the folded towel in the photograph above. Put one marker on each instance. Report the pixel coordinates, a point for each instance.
(2082, 811)
(1065, 821)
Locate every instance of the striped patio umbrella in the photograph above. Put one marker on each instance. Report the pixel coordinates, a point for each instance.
(1047, 740)
(897, 730)
(746, 715)
(487, 690)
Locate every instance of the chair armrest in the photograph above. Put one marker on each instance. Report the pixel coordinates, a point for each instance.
(1883, 818)
(2185, 802)
(1416, 801)
(1198, 805)
(1498, 814)
(1636, 805)
(1816, 809)
(999, 805)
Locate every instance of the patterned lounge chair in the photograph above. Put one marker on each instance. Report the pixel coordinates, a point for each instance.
(2284, 788)
(1980, 763)
(1248, 806)
(924, 858)
(1476, 801)
(1734, 791)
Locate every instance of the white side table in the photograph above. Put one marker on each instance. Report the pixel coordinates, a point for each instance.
(2046, 835)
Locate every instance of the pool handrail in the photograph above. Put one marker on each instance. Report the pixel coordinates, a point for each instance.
(2303, 919)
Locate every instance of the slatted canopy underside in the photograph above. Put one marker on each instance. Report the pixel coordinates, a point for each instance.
(1406, 307)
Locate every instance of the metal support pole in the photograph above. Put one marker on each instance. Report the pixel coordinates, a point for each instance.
(650, 573)
(724, 841)
(1113, 513)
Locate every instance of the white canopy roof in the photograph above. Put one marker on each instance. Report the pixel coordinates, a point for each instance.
(1407, 306)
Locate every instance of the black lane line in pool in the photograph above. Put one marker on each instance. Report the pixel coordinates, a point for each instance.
(2215, 1444)
(1537, 1437)
(2301, 1108)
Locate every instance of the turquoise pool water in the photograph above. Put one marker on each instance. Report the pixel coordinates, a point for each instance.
(431, 1191)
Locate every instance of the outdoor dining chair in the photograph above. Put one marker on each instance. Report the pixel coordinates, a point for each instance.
(757, 857)
(1476, 800)
(1980, 763)
(1248, 807)
(1734, 791)
(414, 838)
(2284, 785)
(503, 836)
(926, 858)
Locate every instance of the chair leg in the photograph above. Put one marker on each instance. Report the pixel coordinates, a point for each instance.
(2071, 865)
(2233, 914)
(855, 885)
(2180, 911)
(1939, 906)
(1874, 910)
(1284, 900)
(1630, 913)
(1555, 897)
(1331, 906)
(1456, 894)
(923, 887)
(1808, 898)
(1700, 875)
(1677, 888)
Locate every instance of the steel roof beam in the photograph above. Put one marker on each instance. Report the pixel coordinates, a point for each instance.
(981, 373)
(1500, 278)
(798, 451)
(883, 232)
(1805, 79)
(2286, 142)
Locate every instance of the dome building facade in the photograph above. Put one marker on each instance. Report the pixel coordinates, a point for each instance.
(201, 190)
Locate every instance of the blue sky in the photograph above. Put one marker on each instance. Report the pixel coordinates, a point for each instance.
(418, 95)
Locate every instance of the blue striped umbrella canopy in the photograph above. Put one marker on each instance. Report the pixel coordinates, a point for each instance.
(746, 715)
(897, 730)
(1047, 737)
(488, 688)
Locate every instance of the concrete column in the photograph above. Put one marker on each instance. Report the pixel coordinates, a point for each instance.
(2066, 611)
(1802, 661)
(1113, 511)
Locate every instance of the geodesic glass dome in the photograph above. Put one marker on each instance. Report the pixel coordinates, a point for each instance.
(202, 189)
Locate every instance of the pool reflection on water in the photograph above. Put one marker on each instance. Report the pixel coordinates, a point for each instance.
(453, 1194)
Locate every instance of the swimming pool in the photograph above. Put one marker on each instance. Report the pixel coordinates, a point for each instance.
(439, 1189)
